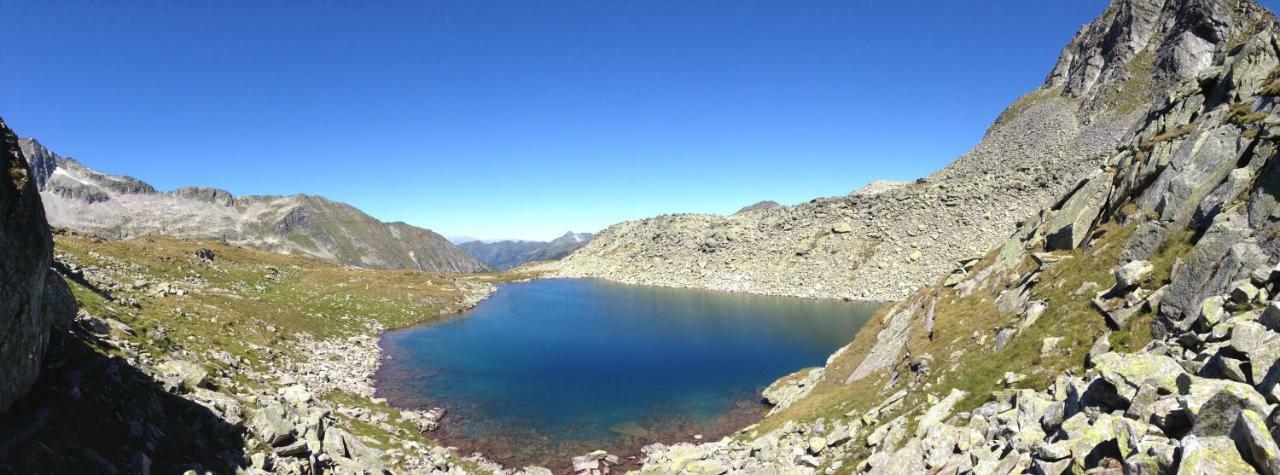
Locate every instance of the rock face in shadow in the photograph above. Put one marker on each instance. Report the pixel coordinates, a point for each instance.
(90, 413)
(26, 250)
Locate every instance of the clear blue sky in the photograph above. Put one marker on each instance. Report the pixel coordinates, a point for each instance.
(523, 119)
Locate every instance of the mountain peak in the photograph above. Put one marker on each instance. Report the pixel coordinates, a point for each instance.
(42, 161)
(117, 206)
(1150, 44)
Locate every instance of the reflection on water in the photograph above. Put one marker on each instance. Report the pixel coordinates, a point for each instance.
(552, 368)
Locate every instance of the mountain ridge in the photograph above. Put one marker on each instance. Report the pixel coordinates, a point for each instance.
(120, 206)
(1041, 146)
(513, 253)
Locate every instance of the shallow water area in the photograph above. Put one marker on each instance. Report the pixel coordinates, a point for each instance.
(553, 368)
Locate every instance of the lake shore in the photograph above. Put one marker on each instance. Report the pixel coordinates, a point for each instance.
(413, 382)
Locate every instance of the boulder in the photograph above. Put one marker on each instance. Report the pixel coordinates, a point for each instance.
(1073, 218)
(297, 448)
(297, 395)
(271, 427)
(938, 412)
(1101, 346)
(1130, 275)
(1255, 443)
(1049, 345)
(789, 389)
(817, 445)
(1211, 456)
(1129, 371)
(1243, 293)
(1086, 437)
(59, 303)
(204, 254)
(1212, 311)
(594, 463)
(1010, 379)
(26, 251)
(1213, 405)
(334, 443)
(1270, 317)
(185, 374)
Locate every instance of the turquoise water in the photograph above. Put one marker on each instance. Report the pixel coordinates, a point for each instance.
(552, 368)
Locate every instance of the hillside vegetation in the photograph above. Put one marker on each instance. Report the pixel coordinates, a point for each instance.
(201, 355)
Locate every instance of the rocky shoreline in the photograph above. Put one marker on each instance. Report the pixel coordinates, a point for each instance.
(290, 427)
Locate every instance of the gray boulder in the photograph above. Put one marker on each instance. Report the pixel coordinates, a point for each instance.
(59, 303)
(1255, 443)
(184, 374)
(1212, 455)
(26, 251)
(1214, 404)
(270, 425)
(1073, 218)
(1130, 275)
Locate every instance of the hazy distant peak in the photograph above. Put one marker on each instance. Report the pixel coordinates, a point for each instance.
(572, 237)
(509, 254)
(766, 204)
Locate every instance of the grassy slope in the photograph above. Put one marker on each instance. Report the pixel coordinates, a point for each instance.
(245, 300)
(961, 362)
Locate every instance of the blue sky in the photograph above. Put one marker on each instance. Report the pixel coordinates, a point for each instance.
(504, 119)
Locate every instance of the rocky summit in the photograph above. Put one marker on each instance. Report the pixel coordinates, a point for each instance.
(885, 241)
(121, 207)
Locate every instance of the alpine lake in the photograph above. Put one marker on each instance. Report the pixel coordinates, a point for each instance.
(549, 369)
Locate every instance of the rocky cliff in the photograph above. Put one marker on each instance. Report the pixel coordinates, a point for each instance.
(1130, 325)
(121, 207)
(32, 298)
(886, 241)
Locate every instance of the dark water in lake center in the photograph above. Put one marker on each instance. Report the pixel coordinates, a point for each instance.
(549, 369)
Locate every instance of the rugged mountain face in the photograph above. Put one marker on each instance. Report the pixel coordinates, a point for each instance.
(80, 198)
(32, 297)
(504, 255)
(915, 233)
(1131, 325)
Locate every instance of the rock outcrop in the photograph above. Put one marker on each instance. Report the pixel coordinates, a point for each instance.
(32, 297)
(121, 207)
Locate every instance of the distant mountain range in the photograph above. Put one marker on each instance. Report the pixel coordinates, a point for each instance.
(503, 255)
(120, 207)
